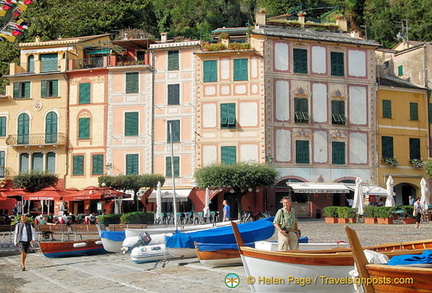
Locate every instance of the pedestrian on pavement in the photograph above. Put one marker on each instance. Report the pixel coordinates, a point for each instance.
(24, 236)
(411, 200)
(417, 212)
(226, 211)
(286, 224)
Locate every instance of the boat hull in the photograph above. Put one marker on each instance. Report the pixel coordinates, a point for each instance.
(225, 257)
(149, 253)
(54, 249)
(268, 271)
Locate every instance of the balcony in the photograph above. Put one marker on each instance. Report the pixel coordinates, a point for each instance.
(38, 140)
(107, 61)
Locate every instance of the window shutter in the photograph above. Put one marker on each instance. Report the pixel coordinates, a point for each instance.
(173, 60)
(240, 69)
(387, 147)
(173, 94)
(84, 93)
(175, 128)
(2, 164)
(37, 162)
(228, 155)
(132, 164)
(337, 64)
(386, 108)
(51, 128)
(49, 62)
(300, 61)
(27, 90)
(132, 82)
(54, 89)
(131, 124)
(210, 71)
(413, 111)
(30, 67)
(414, 148)
(302, 152)
(16, 90)
(2, 126)
(78, 165)
(23, 129)
(84, 128)
(97, 165)
(50, 162)
(338, 152)
(400, 70)
(44, 84)
(24, 163)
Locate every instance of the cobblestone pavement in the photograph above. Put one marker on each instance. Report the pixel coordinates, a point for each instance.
(117, 273)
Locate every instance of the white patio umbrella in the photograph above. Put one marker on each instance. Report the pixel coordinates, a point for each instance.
(206, 209)
(158, 201)
(390, 200)
(424, 200)
(358, 197)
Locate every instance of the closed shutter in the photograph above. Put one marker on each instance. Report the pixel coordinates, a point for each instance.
(26, 93)
(84, 128)
(414, 144)
(300, 61)
(51, 128)
(131, 124)
(413, 111)
(387, 147)
(84, 93)
(54, 88)
(228, 115)
(302, 152)
(338, 152)
(240, 69)
(2, 126)
(337, 64)
(30, 66)
(228, 155)
(78, 165)
(132, 164)
(173, 94)
(387, 109)
(49, 62)
(210, 71)
(2, 164)
(132, 82)
(173, 60)
(23, 128)
(44, 85)
(97, 164)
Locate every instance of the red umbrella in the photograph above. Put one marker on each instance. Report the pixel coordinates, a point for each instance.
(10, 192)
(47, 193)
(94, 192)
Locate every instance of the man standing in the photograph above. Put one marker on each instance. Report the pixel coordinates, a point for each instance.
(286, 224)
(417, 212)
(24, 235)
(226, 211)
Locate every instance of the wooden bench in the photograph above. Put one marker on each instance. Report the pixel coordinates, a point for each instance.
(52, 230)
(84, 229)
(121, 227)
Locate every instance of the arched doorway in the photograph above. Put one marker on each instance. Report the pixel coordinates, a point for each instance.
(403, 191)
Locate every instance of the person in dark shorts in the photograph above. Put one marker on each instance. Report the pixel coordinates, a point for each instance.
(24, 236)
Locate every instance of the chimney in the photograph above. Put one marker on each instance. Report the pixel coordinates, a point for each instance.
(342, 23)
(37, 39)
(164, 37)
(260, 17)
(355, 34)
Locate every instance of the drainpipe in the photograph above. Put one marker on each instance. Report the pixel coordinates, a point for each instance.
(428, 93)
(152, 70)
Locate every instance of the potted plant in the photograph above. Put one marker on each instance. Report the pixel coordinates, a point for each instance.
(392, 162)
(370, 215)
(417, 163)
(408, 217)
(352, 215)
(330, 214)
(346, 215)
(385, 215)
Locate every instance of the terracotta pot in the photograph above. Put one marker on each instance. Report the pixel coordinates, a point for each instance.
(370, 220)
(352, 220)
(342, 221)
(330, 220)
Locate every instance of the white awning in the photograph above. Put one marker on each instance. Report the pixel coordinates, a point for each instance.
(370, 189)
(305, 187)
(167, 195)
(46, 50)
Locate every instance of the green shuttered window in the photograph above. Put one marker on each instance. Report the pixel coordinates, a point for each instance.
(300, 61)
(21, 90)
(228, 115)
(387, 109)
(175, 129)
(387, 147)
(131, 123)
(84, 93)
(413, 111)
(84, 128)
(240, 69)
(210, 71)
(23, 128)
(2, 126)
(302, 152)
(337, 64)
(173, 94)
(414, 144)
(2, 164)
(338, 112)
(301, 110)
(24, 163)
(228, 155)
(97, 164)
(49, 62)
(338, 153)
(132, 84)
(132, 161)
(49, 88)
(78, 165)
(51, 127)
(37, 162)
(168, 171)
(50, 162)
(173, 60)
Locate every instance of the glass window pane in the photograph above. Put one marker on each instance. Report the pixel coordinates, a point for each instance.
(50, 162)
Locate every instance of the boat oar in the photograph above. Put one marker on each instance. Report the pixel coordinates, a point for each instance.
(359, 258)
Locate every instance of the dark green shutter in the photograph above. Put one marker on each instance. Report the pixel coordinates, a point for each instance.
(302, 152)
(49, 62)
(84, 93)
(413, 111)
(131, 123)
(228, 155)
(175, 128)
(23, 128)
(168, 172)
(414, 144)
(78, 165)
(387, 109)
(97, 164)
(51, 128)
(30, 66)
(210, 71)
(2, 126)
(300, 61)
(132, 164)
(400, 70)
(2, 164)
(240, 69)
(16, 90)
(54, 88)
(26, 94)
(50, 162)
(84, 128)
(337, 64)
(338, 152)
(173, 94)
(44, 85)
(173, 60)
(132, 82)
(301, 110)
(228, 115)
(387, 147)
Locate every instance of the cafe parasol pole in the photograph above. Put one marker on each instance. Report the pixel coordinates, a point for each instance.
(172, 175)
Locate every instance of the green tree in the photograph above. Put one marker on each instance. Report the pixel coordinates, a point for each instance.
(131, 182)
(428, 167)
(238, 177)
(34, 180)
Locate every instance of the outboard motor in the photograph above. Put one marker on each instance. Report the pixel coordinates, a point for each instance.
(130, 243)
(144, 238)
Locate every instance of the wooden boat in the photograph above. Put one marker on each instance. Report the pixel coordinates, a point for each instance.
(300, 271)
(71, 248)
(395, 279)
(182, 244)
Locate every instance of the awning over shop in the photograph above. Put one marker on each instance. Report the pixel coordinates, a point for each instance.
(167, 195)
(305, 187)
(370, 189)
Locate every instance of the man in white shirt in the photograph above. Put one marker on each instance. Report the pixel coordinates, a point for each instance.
(24, 236)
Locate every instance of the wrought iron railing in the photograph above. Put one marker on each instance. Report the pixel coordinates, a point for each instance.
(36, 139)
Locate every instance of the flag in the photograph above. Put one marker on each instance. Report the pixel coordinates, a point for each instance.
(8, 36)
(17, 12)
